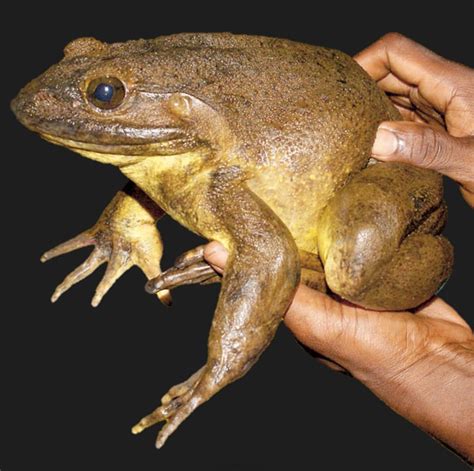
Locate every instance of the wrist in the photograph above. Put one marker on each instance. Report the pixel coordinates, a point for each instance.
(132, 195)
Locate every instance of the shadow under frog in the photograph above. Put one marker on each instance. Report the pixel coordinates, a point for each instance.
(261, 144)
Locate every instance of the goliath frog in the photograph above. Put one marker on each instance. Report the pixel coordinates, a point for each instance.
(261, 144)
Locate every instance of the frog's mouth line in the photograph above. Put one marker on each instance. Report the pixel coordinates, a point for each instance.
(124, 155)
(169, 142)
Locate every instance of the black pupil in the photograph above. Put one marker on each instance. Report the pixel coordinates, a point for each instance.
(104, 92)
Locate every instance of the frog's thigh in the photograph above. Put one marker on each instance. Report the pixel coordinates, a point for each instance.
(368, 258)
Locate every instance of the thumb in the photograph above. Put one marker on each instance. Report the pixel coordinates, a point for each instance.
(216, 255)
(428, 147)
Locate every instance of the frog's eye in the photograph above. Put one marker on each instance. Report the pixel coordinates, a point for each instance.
(106, 93)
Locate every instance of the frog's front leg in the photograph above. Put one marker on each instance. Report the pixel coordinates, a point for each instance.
(258, 284)
(125, 235)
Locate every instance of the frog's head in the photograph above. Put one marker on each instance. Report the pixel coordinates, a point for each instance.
(119, 103)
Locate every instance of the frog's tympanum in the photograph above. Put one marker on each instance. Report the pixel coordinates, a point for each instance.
(261, 144)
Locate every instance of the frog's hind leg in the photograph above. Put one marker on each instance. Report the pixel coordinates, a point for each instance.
(250, 307)
(379, 238)
(259, 282)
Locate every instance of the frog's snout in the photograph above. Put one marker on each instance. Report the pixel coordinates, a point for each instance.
(20, 104)
(33, 104)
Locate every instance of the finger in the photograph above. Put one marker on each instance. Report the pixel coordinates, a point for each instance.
(392, 84)
(316, 319)
(422, 112)
(82, 240)
(424, 146)
(116, 267)
(82, 271)
(216, 255)
(409, 115)
(436, 308)
(353, 337)
(436, 77)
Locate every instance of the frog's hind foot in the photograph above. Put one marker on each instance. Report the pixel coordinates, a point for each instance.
(189, 268)
(176, 402)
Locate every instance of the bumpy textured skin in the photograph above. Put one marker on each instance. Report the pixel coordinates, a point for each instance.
(264, 145)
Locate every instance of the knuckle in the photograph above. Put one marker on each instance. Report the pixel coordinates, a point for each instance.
(429, 149)
(393, 37)
(461, 104)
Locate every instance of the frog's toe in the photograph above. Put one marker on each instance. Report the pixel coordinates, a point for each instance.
(182, 388)
(95, 259)
(158, 415)
(118, 264)
(198, 272)
(190, 257)
(82, 240)
(178, 418)
(172, 402)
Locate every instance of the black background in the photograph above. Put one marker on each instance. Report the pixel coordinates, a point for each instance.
(75, 379)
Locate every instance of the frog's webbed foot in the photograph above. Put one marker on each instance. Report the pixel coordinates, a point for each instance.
(125, 235)
(189, 268)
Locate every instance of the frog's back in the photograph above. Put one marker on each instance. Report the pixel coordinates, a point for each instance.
(304, 116)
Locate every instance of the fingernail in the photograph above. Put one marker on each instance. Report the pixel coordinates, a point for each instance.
(386, 143)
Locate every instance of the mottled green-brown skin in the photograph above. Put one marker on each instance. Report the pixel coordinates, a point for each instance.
(264, 145)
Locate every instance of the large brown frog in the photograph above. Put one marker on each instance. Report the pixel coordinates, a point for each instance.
(261, 144)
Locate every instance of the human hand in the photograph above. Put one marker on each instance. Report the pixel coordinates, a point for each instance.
(436, 98)
(420, 364)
